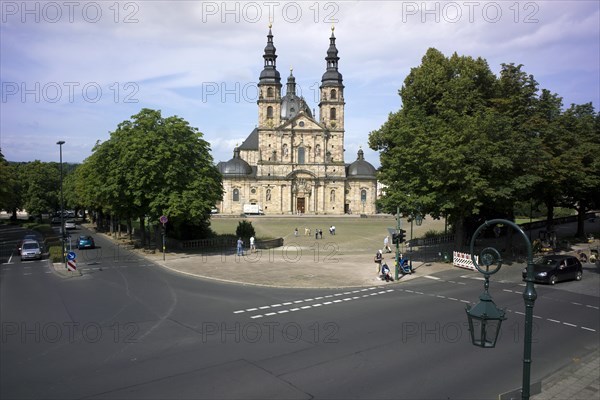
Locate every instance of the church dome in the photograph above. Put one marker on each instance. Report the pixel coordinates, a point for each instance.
(361, 168)
(291, 104)
(235, 166)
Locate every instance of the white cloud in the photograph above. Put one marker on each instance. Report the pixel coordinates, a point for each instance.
(174, 55)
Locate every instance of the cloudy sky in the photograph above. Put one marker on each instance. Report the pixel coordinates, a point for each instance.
(74, 70)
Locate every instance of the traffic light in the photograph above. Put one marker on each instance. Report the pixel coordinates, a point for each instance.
(399, 236)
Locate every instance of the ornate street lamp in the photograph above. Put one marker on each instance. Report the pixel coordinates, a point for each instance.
(485, 318)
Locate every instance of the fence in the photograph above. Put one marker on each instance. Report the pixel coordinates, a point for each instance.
(463, 260)
(223, 243)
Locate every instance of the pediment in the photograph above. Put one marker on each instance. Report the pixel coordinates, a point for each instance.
(302, 121)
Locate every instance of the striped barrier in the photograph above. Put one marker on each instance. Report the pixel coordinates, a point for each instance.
(463, 260)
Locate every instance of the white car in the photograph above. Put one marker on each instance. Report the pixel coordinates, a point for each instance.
(70, 224)
(31, 250)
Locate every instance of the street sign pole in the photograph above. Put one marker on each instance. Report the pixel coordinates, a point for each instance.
(398, 228)
(163, 220)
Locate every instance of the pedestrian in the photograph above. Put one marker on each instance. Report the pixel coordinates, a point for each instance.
(316, 233)
(252, 246)
(296, 232)
(386, 244)
(387, 275)
(333, 229)
(378, 259)
(240, 246)
(320, 233)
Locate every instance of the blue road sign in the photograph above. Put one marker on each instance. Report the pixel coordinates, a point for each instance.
(71, 255)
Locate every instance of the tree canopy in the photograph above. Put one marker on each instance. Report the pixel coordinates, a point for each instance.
(152, 166)
(468, 145)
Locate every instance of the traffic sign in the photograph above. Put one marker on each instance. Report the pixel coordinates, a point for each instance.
(163, 219)
(71, 255)
(72, 265)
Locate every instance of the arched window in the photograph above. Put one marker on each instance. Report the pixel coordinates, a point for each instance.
(332, 196)
(236, 195)
(333, 94)
(332, 113)
(270, 92)
(363, 196)
(270, 112)
(301, 155)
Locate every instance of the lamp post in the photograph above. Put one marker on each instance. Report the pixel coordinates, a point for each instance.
(62, 208)
(418, 219)
(487, 316)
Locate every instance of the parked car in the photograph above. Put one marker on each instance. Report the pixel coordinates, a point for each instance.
(86, 242)
(31, 250)
(555, 268)
(70, 224)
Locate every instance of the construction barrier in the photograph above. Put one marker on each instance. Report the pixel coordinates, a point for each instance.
(463, 260)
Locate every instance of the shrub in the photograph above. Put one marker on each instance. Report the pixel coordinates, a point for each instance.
(245, 229)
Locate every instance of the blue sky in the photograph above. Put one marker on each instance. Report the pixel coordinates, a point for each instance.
(73, 71)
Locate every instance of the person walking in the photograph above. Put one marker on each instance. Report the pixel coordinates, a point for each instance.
(386, 244)
(378, 259)
(240, 246)
(252, 246)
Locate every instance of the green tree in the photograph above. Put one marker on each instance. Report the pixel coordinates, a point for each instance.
(41, 187)
(9, 188)
(153, 166)
(245, 229)
(448, 151)
(579, 161)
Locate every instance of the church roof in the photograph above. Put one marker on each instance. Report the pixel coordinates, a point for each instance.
(235, 166)
(251, 142)
(361, 168)
(332, 77)
(291, 103)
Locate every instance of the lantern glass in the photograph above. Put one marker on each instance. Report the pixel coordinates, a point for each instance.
(418, 219)
(485, 320)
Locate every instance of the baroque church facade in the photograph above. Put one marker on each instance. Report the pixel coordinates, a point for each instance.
(291, 163)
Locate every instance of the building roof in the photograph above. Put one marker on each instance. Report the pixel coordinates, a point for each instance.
(235, 166)
(251, 142)
(291, 104)
(361, 168)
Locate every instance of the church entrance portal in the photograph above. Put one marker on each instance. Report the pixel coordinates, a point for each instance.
(300, 205)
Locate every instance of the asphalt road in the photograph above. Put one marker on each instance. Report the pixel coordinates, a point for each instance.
(129, 329)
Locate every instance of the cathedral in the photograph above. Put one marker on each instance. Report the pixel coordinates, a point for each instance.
(292, 163)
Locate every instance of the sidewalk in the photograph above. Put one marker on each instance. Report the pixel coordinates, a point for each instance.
(290, 267)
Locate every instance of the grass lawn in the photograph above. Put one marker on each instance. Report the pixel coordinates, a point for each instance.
(353, 235)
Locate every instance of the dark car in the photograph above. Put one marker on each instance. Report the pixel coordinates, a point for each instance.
(555, 268)
(86, 242)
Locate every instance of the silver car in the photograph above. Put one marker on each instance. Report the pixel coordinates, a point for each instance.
(31, 250)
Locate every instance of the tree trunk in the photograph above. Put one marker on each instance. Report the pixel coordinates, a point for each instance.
(458, 224)
(142, 232)
(581, 219)
(130, 228)
(550, 215)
